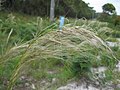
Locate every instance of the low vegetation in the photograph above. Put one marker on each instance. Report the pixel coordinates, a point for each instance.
(36, 50)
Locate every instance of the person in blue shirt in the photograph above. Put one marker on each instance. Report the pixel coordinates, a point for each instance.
(62, 18)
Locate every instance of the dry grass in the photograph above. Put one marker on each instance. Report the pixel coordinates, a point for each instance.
(72, 42)
(53, 43)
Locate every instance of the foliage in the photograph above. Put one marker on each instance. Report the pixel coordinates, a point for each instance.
(113, 20)
(108, 8)
(53, 54)
(109, 14)
(70, 8)
(22, 28)
(6, 71)
(117, 21)
(77, 57)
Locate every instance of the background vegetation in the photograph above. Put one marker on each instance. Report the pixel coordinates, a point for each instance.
(69, 8)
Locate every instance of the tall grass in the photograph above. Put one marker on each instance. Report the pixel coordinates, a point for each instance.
(79, 56)
(16, 29)
(70, 53)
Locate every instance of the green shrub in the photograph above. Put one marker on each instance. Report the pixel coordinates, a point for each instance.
(116, 34)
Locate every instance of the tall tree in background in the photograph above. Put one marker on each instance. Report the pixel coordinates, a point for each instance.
(52, 9)
(109, 14)
(108, 8)
(1, 4)
(75, 8)
(69, 8)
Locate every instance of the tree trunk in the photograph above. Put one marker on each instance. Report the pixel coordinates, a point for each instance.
(52, 8)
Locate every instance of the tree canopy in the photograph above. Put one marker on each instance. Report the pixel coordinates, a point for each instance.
(70, 8)
(108, 8)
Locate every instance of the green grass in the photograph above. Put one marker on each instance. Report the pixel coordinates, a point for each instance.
(50, 54)
(23, 28)
(16, 29)
(6, 70)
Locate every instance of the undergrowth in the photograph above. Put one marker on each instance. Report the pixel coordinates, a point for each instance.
(16, 29)
(52, 54)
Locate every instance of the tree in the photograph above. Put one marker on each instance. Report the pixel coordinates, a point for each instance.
(108, 8)
(1, 4)
(52, 8)
(74, 8)
(68, 8)
(109, 14)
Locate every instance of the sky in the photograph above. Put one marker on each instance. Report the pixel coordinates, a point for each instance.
(97, 4)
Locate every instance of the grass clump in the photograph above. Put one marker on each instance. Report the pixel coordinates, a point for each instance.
(51, 54)
(16, 29)
(65, 55)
